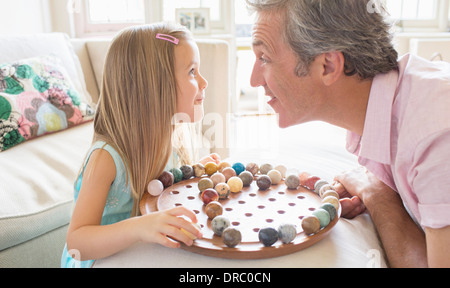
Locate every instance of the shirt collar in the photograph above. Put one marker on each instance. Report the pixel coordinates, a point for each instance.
(375, 144)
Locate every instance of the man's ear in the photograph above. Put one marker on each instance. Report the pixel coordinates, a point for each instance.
(333, 67)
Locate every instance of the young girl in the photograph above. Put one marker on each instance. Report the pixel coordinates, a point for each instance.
(151, 75)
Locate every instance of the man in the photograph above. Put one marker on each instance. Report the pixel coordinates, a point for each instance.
(334, 61)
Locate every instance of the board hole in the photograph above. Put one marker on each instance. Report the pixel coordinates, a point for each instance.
(281, 193)
(236, 223)
(301, 197)
(189, 186)
(191, 198)
(256, 230)
(248, 214)
(261, 207)
(252, 195)
(178, 204)
(175, 192)
(196, 212)
(228, 209)
(272, 199)
(312, 209)
(281, 212)
(241, 202)
(269, 220)
(292, 204)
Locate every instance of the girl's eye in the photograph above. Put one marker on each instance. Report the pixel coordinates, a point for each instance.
(192, 72)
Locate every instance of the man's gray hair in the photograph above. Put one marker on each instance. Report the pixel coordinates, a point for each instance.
(357, 28)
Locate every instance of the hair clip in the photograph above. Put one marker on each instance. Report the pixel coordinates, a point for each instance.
(167, 38)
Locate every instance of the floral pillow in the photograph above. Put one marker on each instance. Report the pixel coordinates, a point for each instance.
(37, 98)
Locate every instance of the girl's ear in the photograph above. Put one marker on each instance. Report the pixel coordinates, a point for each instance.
(333, 67)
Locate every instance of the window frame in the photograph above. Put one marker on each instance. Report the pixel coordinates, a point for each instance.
(153, 10)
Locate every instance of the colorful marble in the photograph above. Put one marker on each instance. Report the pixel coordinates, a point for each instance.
(239, 168)
(319, 185)
(310, 182)
(311, 225)
(213, 209)
(166, 179)
(324, 217)
(219, 224)
(205, 183)
(228, 172)
(222, 165)
(211, 168)
(330, 193)
(155, 188)
(177, 174)
(235, 184)
(332, 200)
(199, 170)
(188, 172)
(209, 195)
(265, 168)
(282, 170)
(223, 190)
(231, 237)
(275, 176)
(287, 233)
(324, 189)
(292, 182)
(268, 236)
(252, 168)
(218, 178)
(263, 182)
(247, 178)
(330, 209)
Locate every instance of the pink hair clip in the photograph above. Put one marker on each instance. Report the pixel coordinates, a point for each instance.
(167, 38)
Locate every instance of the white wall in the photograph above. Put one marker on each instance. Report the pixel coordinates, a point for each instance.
(24, 16)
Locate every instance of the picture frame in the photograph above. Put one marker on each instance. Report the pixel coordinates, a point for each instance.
(197, 20)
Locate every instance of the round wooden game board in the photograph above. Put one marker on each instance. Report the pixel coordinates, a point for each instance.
(249, 211)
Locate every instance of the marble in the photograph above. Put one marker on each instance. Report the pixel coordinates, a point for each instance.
(213, 209)
(282, 169)
(222, 165)
(332, 200)
(166, 179)
(268, 236)
(218, 178)
(205, 183)
(324, 217)
(330, 209)
(325, 188)
(223, 190)
(311, 225)
(188, 172)
(287, 233)
(319, 185)
(219, 224)
(209, 195)
(330, 193)
(247, 178)
(231, 237)
(177, 174)
(252, 168)
(228, 172)
(292, 182)
(199, 170)
(263, 182)
(310, 182)
(235, 184)
(275, 176)
(155, 188)
(265, 168)
(239, 168)
(211, 168)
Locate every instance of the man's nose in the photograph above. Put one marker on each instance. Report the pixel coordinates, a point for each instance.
(256, 78)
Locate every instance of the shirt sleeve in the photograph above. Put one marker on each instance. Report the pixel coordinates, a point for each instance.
(431, 180)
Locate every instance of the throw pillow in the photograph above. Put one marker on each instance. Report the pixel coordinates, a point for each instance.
(37, 98)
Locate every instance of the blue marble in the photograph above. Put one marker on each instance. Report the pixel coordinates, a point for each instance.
(239, 168)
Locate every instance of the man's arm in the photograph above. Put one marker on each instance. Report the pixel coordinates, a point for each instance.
(403, 241)
(438, 247)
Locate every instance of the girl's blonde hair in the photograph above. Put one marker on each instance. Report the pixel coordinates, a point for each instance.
(138, 101)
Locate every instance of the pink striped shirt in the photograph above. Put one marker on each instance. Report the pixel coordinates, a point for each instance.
(406, 141)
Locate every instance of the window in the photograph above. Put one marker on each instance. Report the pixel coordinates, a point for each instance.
(103, 16)
(419, 14)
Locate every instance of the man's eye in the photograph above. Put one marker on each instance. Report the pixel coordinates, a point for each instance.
(192, 72)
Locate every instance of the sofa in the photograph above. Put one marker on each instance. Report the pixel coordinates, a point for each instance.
(37, 175)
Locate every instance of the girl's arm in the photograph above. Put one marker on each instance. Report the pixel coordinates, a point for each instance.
(92, 241)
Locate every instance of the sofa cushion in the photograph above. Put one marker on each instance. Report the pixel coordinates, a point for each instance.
(37, 97)
(17, 47)
(37, 178)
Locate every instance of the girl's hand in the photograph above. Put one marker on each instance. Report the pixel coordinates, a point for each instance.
(165, 227)
(211, 158)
